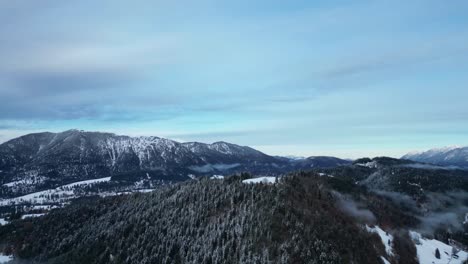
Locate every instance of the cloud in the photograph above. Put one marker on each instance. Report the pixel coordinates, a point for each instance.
(287, 77)
(394, 59)
(72, 81)
(354, 209)
(445, 209)
(214, 136)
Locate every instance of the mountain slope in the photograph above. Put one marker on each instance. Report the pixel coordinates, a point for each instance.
(449, 156)
(42, 161)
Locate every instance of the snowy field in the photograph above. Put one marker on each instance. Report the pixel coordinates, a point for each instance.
(65, 191)
(427, 247)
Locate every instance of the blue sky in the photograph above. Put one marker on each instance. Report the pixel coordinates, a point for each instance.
(343, 78)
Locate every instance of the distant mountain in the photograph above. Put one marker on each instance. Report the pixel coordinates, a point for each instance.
(449, 156)
(46, 160)
(319, 162)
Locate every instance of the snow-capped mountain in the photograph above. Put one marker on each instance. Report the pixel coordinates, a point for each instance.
(46, 160)
(448, 156)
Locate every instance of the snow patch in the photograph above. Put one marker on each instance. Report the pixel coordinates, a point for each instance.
(88, 182)
(321, 174)
(426, 249)
(260, 180)
(31, 216)
(5, 259)
(385, 261)
(371, 164)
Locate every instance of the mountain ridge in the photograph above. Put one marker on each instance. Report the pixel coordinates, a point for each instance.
(49, 159)
(447, 156)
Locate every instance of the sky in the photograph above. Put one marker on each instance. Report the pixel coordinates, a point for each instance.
(342, 78)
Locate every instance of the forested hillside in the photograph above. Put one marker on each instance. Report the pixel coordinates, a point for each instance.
(297, 220)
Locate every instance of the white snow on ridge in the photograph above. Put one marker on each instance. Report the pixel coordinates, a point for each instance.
(387, 239)
(433, 151)
(385, 261)
(371, 164)
(11, 184)
(88, 182)
(426, 249)
(260, 180)
(31, 178)
(31, 216)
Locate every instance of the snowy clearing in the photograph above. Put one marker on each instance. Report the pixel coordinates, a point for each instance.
(426, 249)
(261, 180)
(65, 191)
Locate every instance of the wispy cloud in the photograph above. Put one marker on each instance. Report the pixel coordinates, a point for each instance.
(368, 73)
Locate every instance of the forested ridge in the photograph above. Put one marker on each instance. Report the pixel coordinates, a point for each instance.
(205, 221)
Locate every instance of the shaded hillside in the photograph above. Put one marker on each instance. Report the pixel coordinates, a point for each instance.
(207, 221)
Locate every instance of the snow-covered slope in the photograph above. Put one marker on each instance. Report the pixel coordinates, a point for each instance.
(426, 249)
(448, 156)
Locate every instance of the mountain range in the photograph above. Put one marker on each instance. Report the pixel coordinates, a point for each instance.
(46, 160)
(95, 197)
(448, 156)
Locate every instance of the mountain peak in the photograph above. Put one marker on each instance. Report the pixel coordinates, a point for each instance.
(446, 156)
